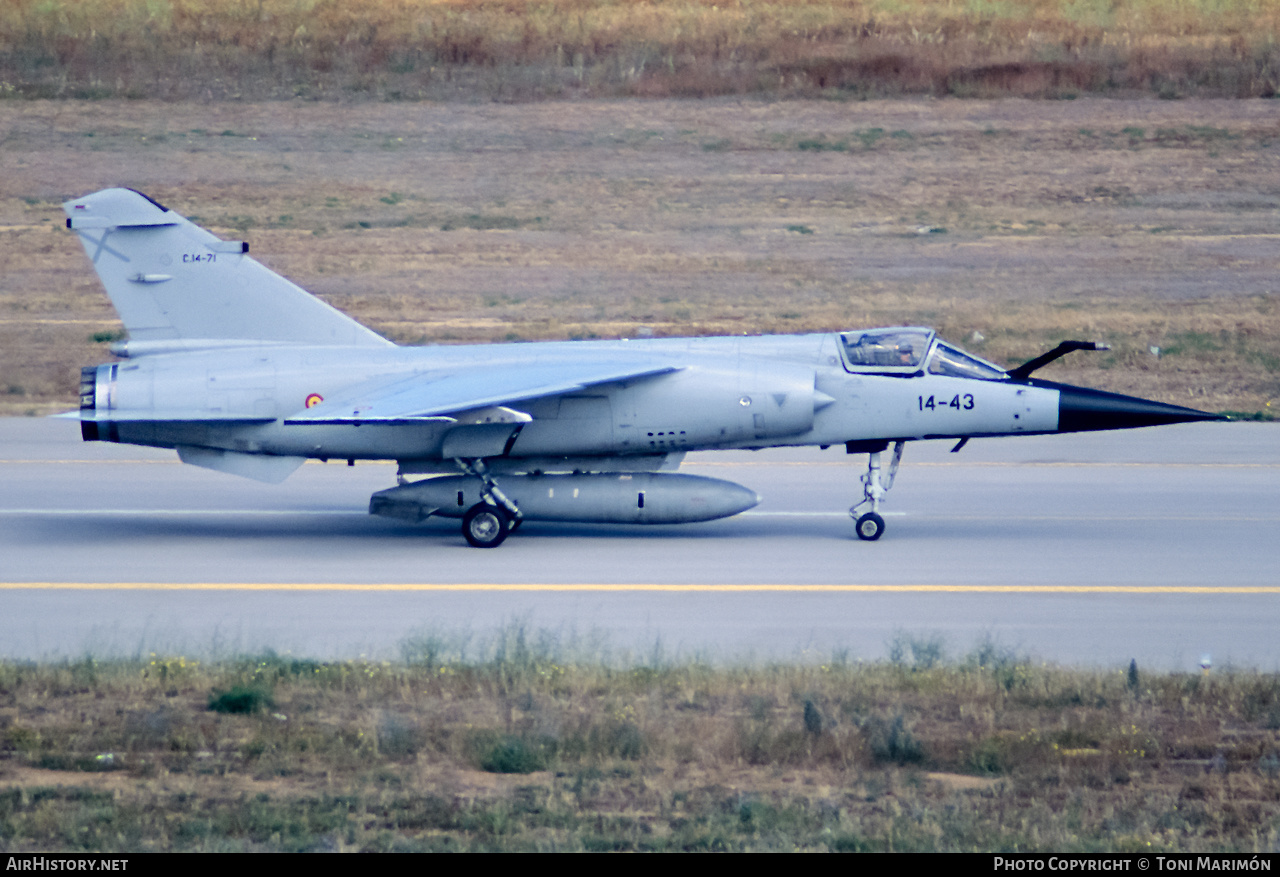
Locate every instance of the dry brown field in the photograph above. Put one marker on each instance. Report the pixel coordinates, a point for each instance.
(410, 50)
(1146, 224)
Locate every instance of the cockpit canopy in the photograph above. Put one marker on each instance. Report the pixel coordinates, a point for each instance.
(910, 351)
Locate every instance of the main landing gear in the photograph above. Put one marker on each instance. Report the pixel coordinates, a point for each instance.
(489, 522)
(869, 525)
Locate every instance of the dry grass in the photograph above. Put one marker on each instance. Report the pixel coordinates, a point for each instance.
(1145, 224)
(414, 49)
(522, 747)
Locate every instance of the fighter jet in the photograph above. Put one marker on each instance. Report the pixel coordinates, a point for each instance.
(242, 371)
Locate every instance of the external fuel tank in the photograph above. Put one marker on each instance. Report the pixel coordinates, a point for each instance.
(604, 498)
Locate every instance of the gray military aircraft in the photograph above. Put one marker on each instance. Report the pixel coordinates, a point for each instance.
(242, 371)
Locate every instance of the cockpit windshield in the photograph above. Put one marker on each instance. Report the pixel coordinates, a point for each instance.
(955, 363)
(894, 350)
(911, 350)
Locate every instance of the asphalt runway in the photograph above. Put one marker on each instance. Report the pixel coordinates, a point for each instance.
(1157, 544)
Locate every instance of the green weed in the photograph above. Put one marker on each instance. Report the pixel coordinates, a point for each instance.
(240, 699)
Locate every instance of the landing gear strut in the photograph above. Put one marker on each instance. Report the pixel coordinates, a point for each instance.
(490, 521)
(869, 525)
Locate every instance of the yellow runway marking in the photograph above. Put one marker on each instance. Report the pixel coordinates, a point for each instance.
(643, 588)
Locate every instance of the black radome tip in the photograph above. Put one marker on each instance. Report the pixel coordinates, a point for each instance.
(1081, 409)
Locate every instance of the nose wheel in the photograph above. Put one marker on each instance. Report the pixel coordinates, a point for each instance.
(868, 524)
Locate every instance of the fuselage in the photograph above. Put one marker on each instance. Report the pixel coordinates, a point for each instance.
(728, 392)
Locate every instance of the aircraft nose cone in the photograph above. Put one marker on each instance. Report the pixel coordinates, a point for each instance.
(1081, 409)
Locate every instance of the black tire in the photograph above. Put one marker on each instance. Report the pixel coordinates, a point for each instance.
(486, 526)
(869, 527)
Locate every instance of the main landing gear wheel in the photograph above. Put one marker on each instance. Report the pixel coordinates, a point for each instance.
(485, 525)
(869, 526)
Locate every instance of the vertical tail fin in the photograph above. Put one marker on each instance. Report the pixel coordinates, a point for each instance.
(177, 286)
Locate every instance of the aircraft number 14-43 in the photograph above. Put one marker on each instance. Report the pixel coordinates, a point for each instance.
(957, 402)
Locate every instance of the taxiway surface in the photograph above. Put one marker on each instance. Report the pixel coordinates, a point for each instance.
(1158, 544)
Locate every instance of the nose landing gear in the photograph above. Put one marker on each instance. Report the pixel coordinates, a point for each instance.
(869, 525)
